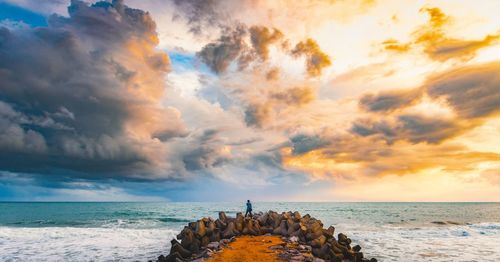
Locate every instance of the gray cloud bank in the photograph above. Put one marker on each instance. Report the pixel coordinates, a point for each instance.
(83, 96)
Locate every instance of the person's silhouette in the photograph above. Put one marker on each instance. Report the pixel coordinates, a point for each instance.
(249, 208)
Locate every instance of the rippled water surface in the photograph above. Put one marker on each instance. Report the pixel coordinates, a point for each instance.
(141, 231)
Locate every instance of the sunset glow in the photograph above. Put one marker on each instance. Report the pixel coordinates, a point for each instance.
(312, 100)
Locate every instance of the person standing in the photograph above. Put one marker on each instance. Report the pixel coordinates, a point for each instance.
(249, 208)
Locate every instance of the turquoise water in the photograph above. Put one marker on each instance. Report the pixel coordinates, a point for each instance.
(141, 231)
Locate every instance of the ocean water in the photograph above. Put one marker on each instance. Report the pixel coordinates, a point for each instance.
(142, 231)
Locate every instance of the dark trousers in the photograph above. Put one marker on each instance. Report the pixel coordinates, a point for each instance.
(249, 211)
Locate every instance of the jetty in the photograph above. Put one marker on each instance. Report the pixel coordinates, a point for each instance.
(266, 236)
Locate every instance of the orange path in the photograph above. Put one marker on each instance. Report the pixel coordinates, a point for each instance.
(249, 249)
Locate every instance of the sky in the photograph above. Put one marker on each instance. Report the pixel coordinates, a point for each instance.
(190, 100)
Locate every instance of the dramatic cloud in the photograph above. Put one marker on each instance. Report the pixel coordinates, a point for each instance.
(219, 55)
(345, 157)
(262, 37)
(201, 14)
(13, 137)
(261, 113)
(84, 94)
(257, 115)
(472, 91)
(384, 142)
(316, 59)
(436, 44)
(233, 46)
(247, 100)
(413, 128)
(389, 100)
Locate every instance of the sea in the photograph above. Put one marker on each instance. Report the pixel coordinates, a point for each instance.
(97, 231)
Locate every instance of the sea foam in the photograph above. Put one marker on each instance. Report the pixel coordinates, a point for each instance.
(474, 242)
(83, 244)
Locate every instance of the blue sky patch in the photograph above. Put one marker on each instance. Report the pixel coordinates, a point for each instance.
(19, 14)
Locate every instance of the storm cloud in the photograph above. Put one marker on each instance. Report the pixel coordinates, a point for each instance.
(84, 94)
(247, 97)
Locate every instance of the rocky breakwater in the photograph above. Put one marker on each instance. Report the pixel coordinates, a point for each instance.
(305, 238)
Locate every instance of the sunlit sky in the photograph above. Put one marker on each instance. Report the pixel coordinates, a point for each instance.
(266, 100)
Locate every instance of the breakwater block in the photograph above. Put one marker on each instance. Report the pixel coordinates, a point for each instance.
(304, 238)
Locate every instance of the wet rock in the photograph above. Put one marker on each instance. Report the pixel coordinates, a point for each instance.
(276, 247)
(239, 222)
(263, 219)
(329, 232)
(210, 227)
(170, 258)
(342, 239)
(215, 236)
(204, 241)
(250, 228)
(222, 216)
(305, 238)
(213, 245)
(195, 246)
(322, 252)
(297, 258)
(305, 248)
(184, 253)
(281, 229)
(358, 256)
(192, 225)
(296, 216)
(200, 229)
(230, 231)
(318, 242)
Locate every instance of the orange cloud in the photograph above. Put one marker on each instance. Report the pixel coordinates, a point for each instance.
(261, 37)
(395, 45)
(392, 140)
(353, 159)
(436, 44)
(259, 114)
(316, 59)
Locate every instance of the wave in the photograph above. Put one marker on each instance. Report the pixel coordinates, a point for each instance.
(173, 219)
(470, 242)
(447, 223)
(47, 223)
(451, 242)
(148, 222)
(83, 244)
